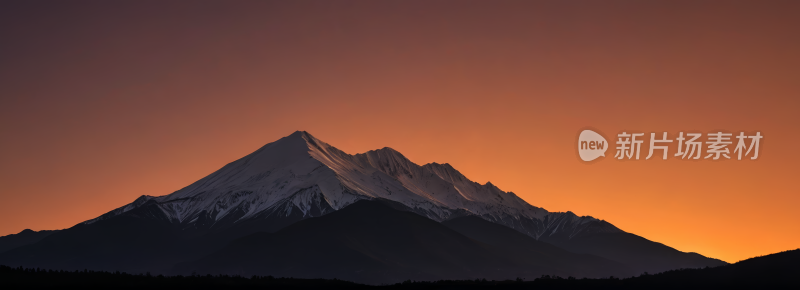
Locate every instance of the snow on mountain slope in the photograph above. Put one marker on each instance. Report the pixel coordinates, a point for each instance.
(303, 176)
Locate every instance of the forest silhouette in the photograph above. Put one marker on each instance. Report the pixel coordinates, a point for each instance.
(779, 270)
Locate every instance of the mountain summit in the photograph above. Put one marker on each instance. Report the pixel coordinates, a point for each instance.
(300, 176)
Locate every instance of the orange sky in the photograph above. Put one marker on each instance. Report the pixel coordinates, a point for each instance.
(100, 104)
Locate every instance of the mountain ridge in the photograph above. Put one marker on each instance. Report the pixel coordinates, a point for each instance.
(248, 187)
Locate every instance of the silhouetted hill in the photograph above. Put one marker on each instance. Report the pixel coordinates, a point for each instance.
(25, 237)
(132, 242)
(526, 250)
(137, 241)
(770, 271)
(143, 240)
(639, 253)
(371, 242)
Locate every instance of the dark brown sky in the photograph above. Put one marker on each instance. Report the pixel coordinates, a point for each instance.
(101, 102)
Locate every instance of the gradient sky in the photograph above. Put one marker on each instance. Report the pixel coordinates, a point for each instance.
(103, 102)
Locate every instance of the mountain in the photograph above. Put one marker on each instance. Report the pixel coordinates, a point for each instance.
(299, 177)
(370, 242)
(137, 242)
(638, 252)
(24, 237)
(526, 250)
(774, 271)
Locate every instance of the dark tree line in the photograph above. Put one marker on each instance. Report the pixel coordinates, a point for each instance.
(13, 278)
(708, 278)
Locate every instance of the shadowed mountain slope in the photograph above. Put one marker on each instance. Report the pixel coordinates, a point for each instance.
(527, 250)
(22, 238)
(774, 271)
(371, 242)
(639, 253)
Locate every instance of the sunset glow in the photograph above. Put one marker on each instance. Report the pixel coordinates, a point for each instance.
(100, 106)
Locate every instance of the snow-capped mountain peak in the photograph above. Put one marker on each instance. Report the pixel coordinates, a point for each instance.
(301, 176)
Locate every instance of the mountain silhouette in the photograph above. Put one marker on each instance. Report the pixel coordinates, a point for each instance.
(22, 238)
(371, 242)
(275, 195)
